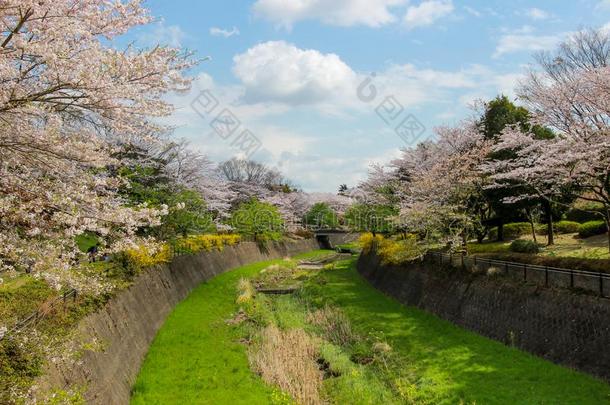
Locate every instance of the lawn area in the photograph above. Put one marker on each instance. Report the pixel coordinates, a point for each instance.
(568, 245)
(197, 356)
(454, 365)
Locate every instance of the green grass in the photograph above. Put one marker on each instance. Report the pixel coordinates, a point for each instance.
(86, 241)
(567, 245)
(196, 356)
(452, 364)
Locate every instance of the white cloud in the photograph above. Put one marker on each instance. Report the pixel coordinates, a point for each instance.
(537, 14)
(346, 13)
(171, 35)
(318, 151)
(277, 71)
(604, 4)
(219, 32)
(511, 43)
(427, 13)
(473, 11)
(277, 76)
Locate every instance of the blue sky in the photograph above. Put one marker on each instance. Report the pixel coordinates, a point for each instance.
(290, 70)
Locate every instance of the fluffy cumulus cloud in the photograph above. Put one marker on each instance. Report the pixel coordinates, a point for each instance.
(277, 71)
(284, 94)
(285, 13)
(427, 13)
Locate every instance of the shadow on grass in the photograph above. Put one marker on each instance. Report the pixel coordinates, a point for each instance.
(453, 365)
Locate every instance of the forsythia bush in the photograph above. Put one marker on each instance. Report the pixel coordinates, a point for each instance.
(392, 251)
(144, 256)
(367, 241)
(200, 243)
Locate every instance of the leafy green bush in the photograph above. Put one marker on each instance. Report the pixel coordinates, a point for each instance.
(592, 228)
(563, 227)
(321, 215)
(513, 230)
(258, 220)
(524, 246)
(560, 227)
(370, 218)
(585, 213)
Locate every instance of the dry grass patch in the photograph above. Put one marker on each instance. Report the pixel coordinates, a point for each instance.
(335, 325)
(288, 359)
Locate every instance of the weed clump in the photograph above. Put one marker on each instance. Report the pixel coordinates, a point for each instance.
(288, 359)
(334, 324)
(246, 291)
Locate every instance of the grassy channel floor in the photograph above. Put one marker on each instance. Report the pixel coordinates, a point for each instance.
(196, 357)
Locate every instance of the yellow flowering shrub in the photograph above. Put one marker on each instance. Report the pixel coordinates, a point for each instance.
(205, 243)
(392, 251)
(145, 256)
(367, 241)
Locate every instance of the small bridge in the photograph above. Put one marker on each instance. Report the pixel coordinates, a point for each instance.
(331, 238)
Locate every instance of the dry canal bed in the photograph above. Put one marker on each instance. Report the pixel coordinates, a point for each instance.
(335, 339)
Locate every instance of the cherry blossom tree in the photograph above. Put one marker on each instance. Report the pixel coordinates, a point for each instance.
(570, 92)
(67, 99)
(443, 177)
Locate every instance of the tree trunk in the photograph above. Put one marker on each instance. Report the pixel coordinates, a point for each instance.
(608, 226)
(533, 230)
(533, 226)
(550, 231)
(481, 234)
(501, 232)
(464, 242)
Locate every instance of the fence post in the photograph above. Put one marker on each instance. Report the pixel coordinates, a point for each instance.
(571, 278)
(601, 285)
(546, 276)
(525, 272)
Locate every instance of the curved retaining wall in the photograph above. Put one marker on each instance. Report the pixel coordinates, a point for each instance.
(566, 328)
(126, 326)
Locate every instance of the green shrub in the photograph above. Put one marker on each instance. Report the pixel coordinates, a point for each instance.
(524, 246)
(586, 213)
(561, 228)
(592, 228)
(512, 230)
(258, 220)
(321, 215)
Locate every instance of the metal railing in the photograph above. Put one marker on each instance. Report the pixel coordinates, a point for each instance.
(548, 276)
(40, 313)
